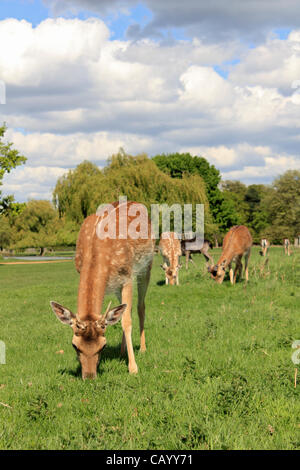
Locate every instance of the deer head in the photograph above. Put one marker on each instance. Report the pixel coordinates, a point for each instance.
(171, 272)
(218, 271)
(88, 336)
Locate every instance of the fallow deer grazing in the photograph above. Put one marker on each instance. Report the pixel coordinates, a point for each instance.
(265, 244)
(187, 248)
(287, 246)
(170, 249)
(107, 263)
(236, 244)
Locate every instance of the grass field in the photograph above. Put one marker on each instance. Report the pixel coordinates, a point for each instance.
(217, 373)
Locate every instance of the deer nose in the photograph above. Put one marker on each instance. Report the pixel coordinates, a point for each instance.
(88, 375)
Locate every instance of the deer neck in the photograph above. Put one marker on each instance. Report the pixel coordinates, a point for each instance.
(91, 291)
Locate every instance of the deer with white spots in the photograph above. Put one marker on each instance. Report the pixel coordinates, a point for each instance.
(236, 244)
(108, 263)
(265, 244)
(287, 246)
(170, 248)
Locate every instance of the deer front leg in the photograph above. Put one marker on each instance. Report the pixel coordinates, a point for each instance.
(127, 328)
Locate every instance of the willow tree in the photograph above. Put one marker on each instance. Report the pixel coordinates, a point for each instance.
(138, 178)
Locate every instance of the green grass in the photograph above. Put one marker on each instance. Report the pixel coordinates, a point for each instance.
(217, 373)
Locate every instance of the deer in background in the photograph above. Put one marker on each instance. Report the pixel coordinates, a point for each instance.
(265, 244)
(236, 244)
(287, 246)
(187, 248)
(108, 264)
(170, 249)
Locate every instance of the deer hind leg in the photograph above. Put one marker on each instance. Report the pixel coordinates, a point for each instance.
(142, 285)
(238, 269)
(187, 255)
(247, 255)
(127, 327)
(191, 260)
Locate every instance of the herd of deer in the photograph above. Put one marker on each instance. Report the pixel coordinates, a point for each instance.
(108, 264)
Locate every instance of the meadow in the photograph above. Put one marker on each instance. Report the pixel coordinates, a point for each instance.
(217, 373)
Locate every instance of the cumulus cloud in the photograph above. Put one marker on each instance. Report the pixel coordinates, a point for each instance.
(35, 183)
(250, 20)
(68, 151)
(274, 64)
(79, 95)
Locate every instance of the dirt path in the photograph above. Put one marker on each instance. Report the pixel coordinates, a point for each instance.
(36, 262)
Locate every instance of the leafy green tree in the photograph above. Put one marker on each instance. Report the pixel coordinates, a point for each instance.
(5, 232)
(235, 192)
(36, 226)
(249, 205)
(179, 164)
(282, 205)
(9, 159)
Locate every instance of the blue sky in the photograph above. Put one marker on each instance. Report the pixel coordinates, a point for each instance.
(149, 76)
(33, 11)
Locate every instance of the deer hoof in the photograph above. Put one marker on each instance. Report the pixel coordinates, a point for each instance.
(133, 369)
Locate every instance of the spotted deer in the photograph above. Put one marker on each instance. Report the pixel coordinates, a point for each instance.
(107, 263)
(265, 244)
(170, 249)
(236, 244)
(287, 246)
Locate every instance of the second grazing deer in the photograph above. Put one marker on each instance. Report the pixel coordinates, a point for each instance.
(287, 246)
(170, 249)
(236, 244)
(265, 244)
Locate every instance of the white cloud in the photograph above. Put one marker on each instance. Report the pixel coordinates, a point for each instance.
(50, 52)
(70, 150)
(202, 86)
(35, 183)
(80, 95)
(210, 20)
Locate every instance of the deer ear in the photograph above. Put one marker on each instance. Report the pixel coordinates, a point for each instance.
(164, 266)
(63, 314)
(115, 314)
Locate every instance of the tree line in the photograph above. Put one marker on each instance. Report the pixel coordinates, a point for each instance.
(271, 211)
